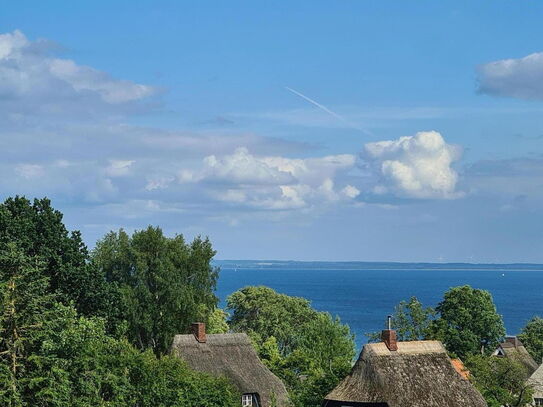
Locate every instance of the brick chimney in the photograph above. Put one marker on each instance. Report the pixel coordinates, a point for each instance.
(389, 337)
(199, 331)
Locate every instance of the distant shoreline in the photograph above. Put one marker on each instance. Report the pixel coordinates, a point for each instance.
(355, 265)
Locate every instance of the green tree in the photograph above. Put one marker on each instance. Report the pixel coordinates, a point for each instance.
(39, 232)
(23, 301)
(309, 350)
(468, 322)
(167, 382)
(500, 380)
(410, 320)
(76, 363)
(532, 338)
(217, 322)
(267, 313)
(165, 283)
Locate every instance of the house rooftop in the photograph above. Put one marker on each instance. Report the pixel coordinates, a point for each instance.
(513, 349)
(231, 356)
(418, 373)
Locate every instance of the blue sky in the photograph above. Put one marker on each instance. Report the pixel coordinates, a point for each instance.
(413, 131)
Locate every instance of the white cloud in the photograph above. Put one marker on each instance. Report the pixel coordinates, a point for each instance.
(84, 78)
(55, 149)
(350, 191)
(272, 182)
(119, 168)
(519, 78)
(29, 171)
(239, 168)
(158, 183)
(34, 82)
(416, 166)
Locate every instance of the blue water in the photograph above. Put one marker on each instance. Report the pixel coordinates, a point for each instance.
(363, 294)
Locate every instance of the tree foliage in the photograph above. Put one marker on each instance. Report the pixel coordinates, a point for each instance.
(532, 338)
(38, 231)
(217, 323)
(23, 301)
(411, 320)
(51, 356)
(309, 350)
(500, 380)
(165, 283)
(75, 363)
(58, 309)
(468, 322)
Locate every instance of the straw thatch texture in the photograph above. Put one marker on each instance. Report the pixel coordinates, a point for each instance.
(418, 374)
(513, 349)
(232, 356)
(536, 381)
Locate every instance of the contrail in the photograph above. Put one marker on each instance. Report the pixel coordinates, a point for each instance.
(337, 116)
(330, 112)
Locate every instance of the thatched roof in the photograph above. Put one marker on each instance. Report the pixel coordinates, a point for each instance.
(232, 356)
(513, 349)
(418, 374)
(536, 381)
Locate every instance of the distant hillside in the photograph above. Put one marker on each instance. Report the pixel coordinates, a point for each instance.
(360, 265)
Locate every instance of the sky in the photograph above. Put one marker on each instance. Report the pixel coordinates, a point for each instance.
(310, 130)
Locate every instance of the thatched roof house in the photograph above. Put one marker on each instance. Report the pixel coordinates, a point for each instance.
(513, 349)
(536, 381)
(232, 356)
(404, 374)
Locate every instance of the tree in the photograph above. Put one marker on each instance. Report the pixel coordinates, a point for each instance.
(74, 363)
(38, 231)
(468, 322)
(90, 369)
(532, 338)
(326, 349)
(410, 320)
(23, 302)
(310, 350)
(217, 322)
(167, 381)
(267, 313)
(500, 380)
(165, 283)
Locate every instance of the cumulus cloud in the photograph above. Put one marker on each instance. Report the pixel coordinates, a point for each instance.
(34, 82)
(418, 166)
(519, 78)
(273, 182)
(238, 168)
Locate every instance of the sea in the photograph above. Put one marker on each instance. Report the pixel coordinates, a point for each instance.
(362, 294)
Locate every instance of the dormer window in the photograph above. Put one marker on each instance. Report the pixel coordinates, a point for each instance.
(247, 400)
(250, 400)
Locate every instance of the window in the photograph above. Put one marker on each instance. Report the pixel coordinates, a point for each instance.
(538, 402)
(247, 400)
